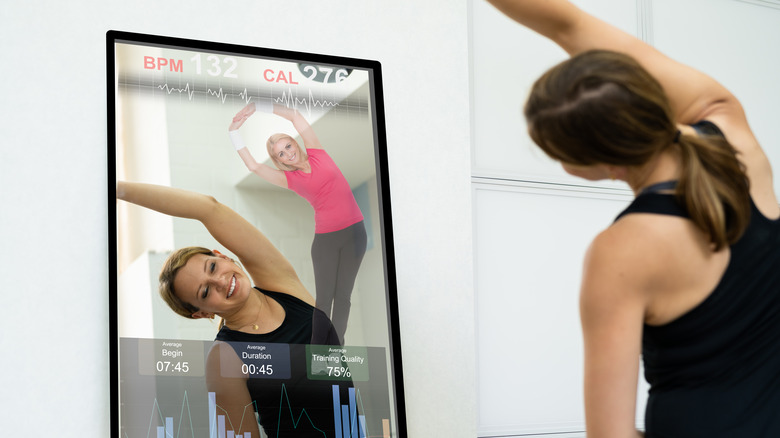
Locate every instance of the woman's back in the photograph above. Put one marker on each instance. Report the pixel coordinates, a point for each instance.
(711, 332)
(714, 370)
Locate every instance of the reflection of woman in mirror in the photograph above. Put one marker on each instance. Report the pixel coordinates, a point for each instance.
(340, 235)
(687, 276)
(199, 283)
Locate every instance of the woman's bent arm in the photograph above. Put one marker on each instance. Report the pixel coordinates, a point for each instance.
(691, 92)
(300, 124)
(694, 96)
(273, 176)
(267, 266)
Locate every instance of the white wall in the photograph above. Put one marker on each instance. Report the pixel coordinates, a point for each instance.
(53, 222)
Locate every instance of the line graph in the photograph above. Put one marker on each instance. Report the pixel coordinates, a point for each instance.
(197, 91)
(219, 93)
(349, 419)
(289, 100)
(289, 97)
(296, 422)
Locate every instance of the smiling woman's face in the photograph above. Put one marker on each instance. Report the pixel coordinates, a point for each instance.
(213, 284)
(286, 151)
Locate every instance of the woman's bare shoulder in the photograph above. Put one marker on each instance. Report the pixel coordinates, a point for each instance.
(636, 248)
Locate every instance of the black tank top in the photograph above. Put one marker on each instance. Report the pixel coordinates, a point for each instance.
(715, 371)
(303, 324)
(294, 406)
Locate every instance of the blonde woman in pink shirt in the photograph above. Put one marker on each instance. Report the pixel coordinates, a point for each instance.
(340, 235)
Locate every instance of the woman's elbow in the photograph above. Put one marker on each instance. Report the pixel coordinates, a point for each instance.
(211, 205)
(253, 167)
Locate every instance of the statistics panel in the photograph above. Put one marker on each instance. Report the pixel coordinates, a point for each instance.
(164, 393)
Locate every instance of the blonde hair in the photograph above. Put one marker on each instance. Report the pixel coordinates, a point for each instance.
(176, 261)
(272, 140)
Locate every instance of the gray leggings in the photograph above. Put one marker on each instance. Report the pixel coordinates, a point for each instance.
(336, 257)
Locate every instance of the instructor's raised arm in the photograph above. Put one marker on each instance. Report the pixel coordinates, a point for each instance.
(264, 263)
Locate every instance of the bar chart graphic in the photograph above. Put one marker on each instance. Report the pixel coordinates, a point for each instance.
(163, 426)
(218, 424)
(348, 419)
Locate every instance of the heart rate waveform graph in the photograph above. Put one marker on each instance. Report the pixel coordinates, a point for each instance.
(303, 99)
(288, 98)
(220, 94)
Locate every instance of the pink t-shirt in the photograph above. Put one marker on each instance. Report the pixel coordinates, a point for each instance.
(327, 191)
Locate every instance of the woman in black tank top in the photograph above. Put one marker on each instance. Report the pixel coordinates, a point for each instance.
(687, 276)
(260, 300)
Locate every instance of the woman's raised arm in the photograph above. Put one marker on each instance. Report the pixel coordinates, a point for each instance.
(692, 93)
(300, 124)
(267, 266)
(694, 96)
(268, 173)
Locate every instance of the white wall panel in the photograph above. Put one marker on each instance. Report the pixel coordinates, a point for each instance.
(529, 245)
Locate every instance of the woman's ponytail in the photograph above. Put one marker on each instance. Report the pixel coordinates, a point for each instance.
(714, 188)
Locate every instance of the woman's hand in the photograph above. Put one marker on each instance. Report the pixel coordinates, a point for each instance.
(241, 117)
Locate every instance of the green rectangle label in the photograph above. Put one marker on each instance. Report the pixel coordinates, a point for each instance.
(327, 362)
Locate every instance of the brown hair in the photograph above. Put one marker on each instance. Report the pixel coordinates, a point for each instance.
(603, 107)
(176, 261)
(272, 140)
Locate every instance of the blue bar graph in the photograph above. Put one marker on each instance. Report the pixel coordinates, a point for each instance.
(345, 420)
(212, 415)
(353, 414)
(337, 410)
(348, 423)
(221, 426)
(362, 421)
(217, 426)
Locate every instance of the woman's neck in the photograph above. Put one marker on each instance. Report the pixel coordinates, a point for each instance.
(665, 166)
(250, 313)
(260, 314)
